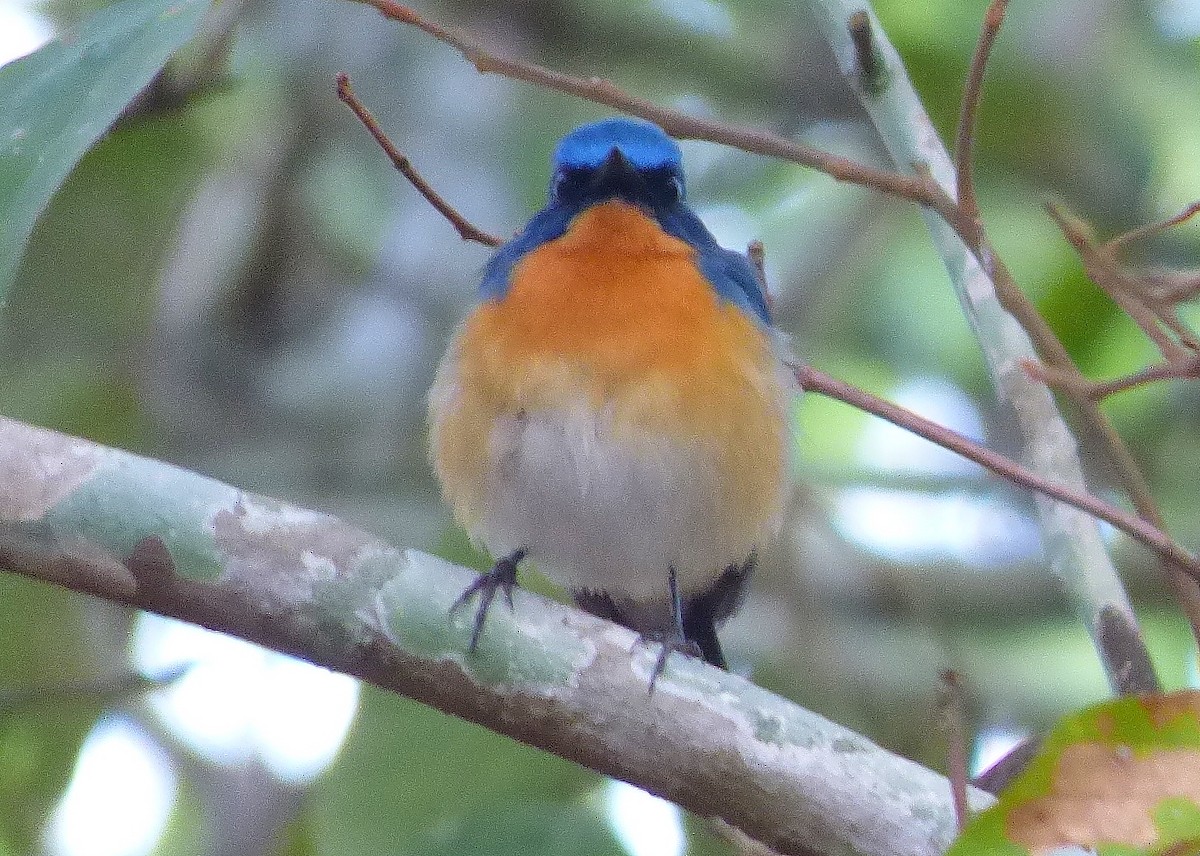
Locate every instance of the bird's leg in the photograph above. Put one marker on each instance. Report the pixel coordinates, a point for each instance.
(673, 639)
(503, 575)
(703, 612)
(700, 629)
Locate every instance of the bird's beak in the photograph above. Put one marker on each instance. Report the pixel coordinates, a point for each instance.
(617, 175)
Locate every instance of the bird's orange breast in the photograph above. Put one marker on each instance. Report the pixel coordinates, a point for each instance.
(614, 316)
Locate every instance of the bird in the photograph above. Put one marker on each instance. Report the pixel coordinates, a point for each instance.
(616, 406)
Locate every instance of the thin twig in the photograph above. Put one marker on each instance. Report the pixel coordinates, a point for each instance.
(1122, 241)
(1174, 286)
(676, 124)
(954, 721)
(1136, 528)
(465, 229)
(1080, 387)
(972, 93)
(1129, 474)
(1187, 369)
(1106, 273)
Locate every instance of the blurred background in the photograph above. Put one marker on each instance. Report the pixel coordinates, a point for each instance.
(235, 280)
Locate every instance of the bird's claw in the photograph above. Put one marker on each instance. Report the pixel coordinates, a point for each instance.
(672, 643)
(503, 576)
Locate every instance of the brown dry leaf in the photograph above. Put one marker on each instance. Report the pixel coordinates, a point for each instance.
(1123, 777)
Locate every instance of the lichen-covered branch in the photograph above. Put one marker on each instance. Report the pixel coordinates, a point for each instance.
(153, 536)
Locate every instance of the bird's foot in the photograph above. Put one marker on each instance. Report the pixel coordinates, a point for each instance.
(675, 639)
(503, 576)
(672, 642)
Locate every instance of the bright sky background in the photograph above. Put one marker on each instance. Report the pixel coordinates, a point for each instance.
(22, 29)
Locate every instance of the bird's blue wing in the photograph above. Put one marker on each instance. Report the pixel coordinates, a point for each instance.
(730, 273)
(549, 223)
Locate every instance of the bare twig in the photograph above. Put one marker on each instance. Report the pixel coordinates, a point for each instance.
(1129, 474)
(1104, 270)
(954, 722)
(673, 122)
(1142, 232)
(465, 229)
(1187, 368)
(1174, 286)
(965, 141)
(1184, 369)
(1140, 530)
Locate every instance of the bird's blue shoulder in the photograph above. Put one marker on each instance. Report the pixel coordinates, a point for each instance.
(549, 223)
(730, 273)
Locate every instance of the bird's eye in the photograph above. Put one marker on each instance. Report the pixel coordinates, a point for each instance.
(670, 185)
(676, 187)
(565, 183)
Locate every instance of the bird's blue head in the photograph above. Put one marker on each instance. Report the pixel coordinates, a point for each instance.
(630, 159)
(635, 161)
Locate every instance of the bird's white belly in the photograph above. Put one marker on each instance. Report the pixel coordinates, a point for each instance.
(607, 513)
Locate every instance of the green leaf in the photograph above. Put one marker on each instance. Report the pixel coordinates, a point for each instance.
(1120, 777)
(56, 102)
(82, 298)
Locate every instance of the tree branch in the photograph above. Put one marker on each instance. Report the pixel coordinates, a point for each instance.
(812, 380)
(153, 536)
(466, 230)
(952, 709)
(1142, 232)
(676, 124)
(964, 144)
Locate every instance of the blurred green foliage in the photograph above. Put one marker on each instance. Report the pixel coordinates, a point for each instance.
(235, 280)
(59, 101)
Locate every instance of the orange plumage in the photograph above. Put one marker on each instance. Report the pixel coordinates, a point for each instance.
(614, 316)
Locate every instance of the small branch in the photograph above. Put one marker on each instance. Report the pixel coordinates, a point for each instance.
(1185, 369)
(1002, 773)
(1105, 271)
(676, 124)
(991, 301)
(972, 94)
(465, 229)
(1120, 242)
(1173, 287)
(954, 722)
(1136, 528)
